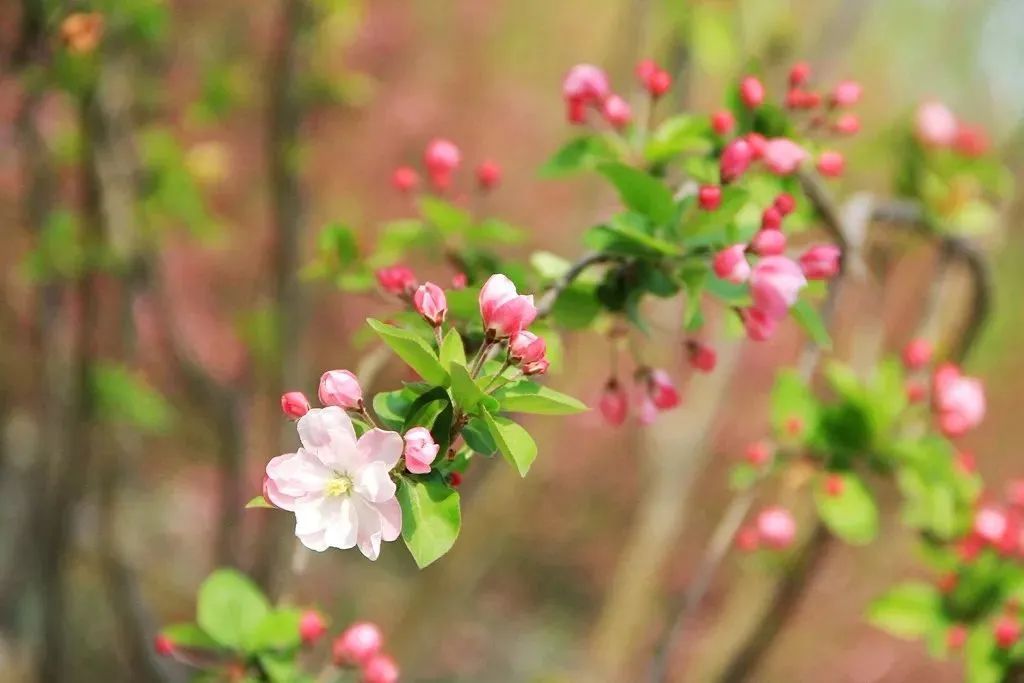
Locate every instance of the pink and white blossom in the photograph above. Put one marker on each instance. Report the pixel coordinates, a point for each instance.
(357, 644)
(397, 279)
(759, 325)
(294, 404)
(820, 262)
(420, 450)
(503, 309)
(380, 669)
(526, 348)
(731, 264)
(338, 486)
(959, 401)
(935, 125)
(783, 156)
(430, 303)
(846, 93)
(776, 527)
(775, 283)
(340, 388)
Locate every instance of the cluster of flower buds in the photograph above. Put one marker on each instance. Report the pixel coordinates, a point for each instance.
(656, 393)
(958, 401)
(506, 314)
(774, 528)
(586, 87)
(442, 159)
(359, 647)
(937, 127)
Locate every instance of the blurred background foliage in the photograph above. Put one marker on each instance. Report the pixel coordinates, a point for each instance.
(240, 130)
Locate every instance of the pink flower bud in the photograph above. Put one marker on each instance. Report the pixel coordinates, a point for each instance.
(294, 404)
(820, 262)
(846, 94)
(1007, 632)
(798, 74)
(340, 388)
(586, 84)
(722, 121)
(783, 156)
(617, 111)
(526, 348)
(759, 325)
(747, 539)
(935, 125)
(709, 197)
(488, 175)
(420, 450)
(163, 645)
(731, 264)
(990, 524)
(311, 626)
(956, 636)
(971, 141)
(757, 453)
(648, 412)
(459, 281)
(441, 156)
(405, 179)
(771, 219)
(757, 144)
(644, 69)
(735, 160)
(834, 486)
(784, 204)
(537, 367)
(576, 111)
(430, 303)
(831, 164)
(959, 401)
(380, 669)
(916, 392)
(751, 92)
(357, 644)
(768, 243)
(658, 83)
(776, 527)
(613, 404)
(775, 283)
(917, 353)
(661, 390)
(847, 124)
(503, 309)
(396, 280)
(702, 357)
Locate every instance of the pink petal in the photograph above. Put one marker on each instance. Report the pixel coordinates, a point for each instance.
(378, 445)
(374, 483)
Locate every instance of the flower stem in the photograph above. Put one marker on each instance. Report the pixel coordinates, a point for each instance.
(481, 356)
(506, 366)
(438, 337)
(366, 415)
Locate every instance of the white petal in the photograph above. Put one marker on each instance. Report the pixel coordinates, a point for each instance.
(370, 528)
(315, 541)
(341, 522)
(296, 474)
(379, 445)
(309, 516)
(391, 518)
(374, 483)
(320, 426)
(276, 497)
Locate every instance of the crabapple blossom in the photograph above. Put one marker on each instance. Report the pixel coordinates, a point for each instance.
(338, 486)
(990, 524)
(661, 390)
(751, 92)
(526, 348)
(722, 121)
(831, 163)
(798, 74)
(294, 404)
(775, 283)
(702, 356)
(420, 450)
(776, 527)
(758, 324)
(935, 125)
(397, 279)
(617, 111)
(441, 156)
(340, 388)
(488, 174)
(644, 68)
(917, 353)
(459, 281)
(731, 264)
(503, 309)
(584, 85)
(657, 81)
(357, 644)
(959, 401)
(820, 262)
(709, 197)
(380, 669)
(537, 367)
(847, 124)
(405, 179)
(783, 156)
(846, 94)
(768, 243)
(311, 626)
(735, 160)
(613, 404)
(430, 303)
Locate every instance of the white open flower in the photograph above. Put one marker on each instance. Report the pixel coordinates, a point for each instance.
(340, 489)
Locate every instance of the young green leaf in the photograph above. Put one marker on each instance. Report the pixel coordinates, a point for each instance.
(640, 192)
(792, 400)
(514, 442)
(452, 350)
(579, 154)
(190, 636)
(258, 502)
(810, 320)
(431, 517)
(413, 350)
(230, 608)
(479, 438)
(466, 392)
(907, 611)
(529, 397)
(277, 630)
(851, 512)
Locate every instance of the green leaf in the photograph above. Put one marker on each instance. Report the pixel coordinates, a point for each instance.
(466, 392)
(908, 610)
(576, 306)
(626, 234)
(452, 350)
(280, 668)
(431, 517)
(230, 607)
(852, 514)
(681, 133)
(514, 442)
(424, 410)
(448, 218)
(641, 192)
(337, 244)
(984, 665)
(529, 397)
(792, 399)
(549, 266)
(808, 318)
(479, 438)
(189, 636)
(413, 350)
(258, 502)
(703, 228)
(278, 630)
(122, 396)
(582, 153)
